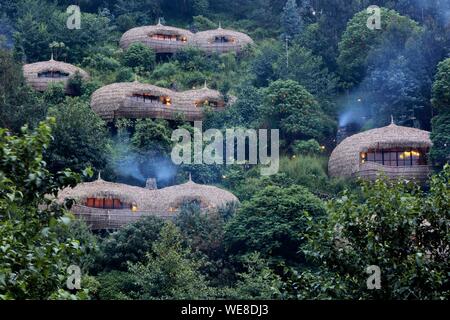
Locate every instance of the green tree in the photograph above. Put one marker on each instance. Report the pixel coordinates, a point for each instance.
(130, 244)
(276, 217)
(393, 225)
(80, 138)
(309, 71)
(291, 20)
(358, 42)
(291, 108)
(154, 136)
(441, 87)
(258, 282)
(139, 56)
(440, 135)
(34, 260)
(168, 272)
(19, 104)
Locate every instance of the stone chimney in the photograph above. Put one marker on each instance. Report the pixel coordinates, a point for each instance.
(150, 184)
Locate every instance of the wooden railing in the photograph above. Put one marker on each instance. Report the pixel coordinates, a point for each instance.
(98, 219)
(372, 171)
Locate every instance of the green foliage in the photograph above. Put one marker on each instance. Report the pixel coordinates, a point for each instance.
(259, 282)
(307, 147)
(33, 259)
(358, 41)
(168, 272)
(55, 93)
(441, 87)
(291, 108)
(440, 136)
(395, 226)
(130, 244)
(115, 285)
(153, 136)
(277, 218)
(139, 56)
(309, 71)
(19, 104)
(291, 20)
(202, 23)
(204, 234)
(78, 131)
(88, 243)
(264, 62)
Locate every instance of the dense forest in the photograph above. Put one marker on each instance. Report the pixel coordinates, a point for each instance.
(314, 68)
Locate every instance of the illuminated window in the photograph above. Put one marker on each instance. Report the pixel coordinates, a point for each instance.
(399, 157)
(168, 37)
(152, 99)
(105, 203)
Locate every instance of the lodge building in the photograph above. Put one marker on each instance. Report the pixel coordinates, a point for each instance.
(393, 151)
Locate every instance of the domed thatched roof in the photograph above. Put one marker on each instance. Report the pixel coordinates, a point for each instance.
(32, 71)
(345, 158)
(116, 101)
(150, 200)
(144, 35)
(237, 40)
(103, 189)
(211, 196)
(165, 39)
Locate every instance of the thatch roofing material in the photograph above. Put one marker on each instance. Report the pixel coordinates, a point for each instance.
(114, 101)
(31, 71)
(164, 202)
(345, 158)
(143, 35)
(203, 40)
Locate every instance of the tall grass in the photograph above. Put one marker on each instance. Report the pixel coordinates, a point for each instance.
(311, 172)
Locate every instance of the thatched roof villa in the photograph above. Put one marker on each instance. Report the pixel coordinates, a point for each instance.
(107, 205)
(136, 100)
(165, 39)
(222, 40)
(40, 74)
(395, 151)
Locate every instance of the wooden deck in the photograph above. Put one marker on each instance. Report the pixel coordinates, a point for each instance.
(372, 171)
(99, 219)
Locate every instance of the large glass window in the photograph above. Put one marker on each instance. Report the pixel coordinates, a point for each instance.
(106, 203)
(222, 39)
(168, 37)
(399, 157)
(150, 98)
(53, 74)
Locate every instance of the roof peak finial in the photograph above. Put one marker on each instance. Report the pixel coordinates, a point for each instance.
(190, 177)
(220, 25)
(159, 21)
(205, 86)
(392, 119)
(99, 175)
(51, 56)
